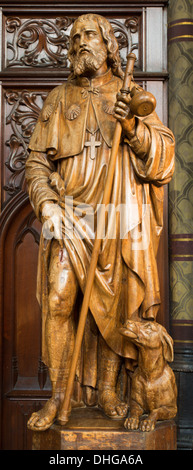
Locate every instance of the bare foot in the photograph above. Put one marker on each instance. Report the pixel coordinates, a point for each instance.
(44, 418)
(111, 405)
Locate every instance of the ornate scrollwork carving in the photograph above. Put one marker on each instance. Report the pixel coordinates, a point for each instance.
(25, 109)
(127, 35)
(44, 42)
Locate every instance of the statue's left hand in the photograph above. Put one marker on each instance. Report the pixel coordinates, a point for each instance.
(123, 114)
(52, 218)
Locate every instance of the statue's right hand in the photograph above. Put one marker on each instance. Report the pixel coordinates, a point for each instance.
(52, 217)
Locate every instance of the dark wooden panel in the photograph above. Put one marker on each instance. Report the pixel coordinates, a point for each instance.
(42, 41)
(24, 375)
(85, 5)
(21, 108)
(22, 345)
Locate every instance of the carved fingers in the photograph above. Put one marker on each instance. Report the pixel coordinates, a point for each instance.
(123, 114)
(52, 218)
(122, 108)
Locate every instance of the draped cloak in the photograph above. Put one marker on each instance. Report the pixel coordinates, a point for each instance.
(126, 279)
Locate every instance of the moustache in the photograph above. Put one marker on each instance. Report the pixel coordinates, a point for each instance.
(85, 49)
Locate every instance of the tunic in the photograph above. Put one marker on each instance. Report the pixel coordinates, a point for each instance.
(126, 281)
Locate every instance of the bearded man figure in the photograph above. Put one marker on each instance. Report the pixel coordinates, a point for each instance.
(66, 171)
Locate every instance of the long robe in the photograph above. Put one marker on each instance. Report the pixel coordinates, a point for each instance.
(126, 279)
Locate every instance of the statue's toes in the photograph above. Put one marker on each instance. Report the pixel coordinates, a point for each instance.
(110, 411)
(44, 418)
(122, 410)
(112, 405)
(39, 424)
(43, 423)
(32, 420)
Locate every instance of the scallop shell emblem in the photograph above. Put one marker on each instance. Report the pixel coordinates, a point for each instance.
(73, 112)
(108, 107)
(46, 112)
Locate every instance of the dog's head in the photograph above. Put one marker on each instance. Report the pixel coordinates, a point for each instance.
(150, 335)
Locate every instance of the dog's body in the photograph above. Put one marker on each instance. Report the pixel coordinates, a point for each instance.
(153, 386)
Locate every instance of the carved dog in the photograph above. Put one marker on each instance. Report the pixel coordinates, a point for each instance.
(153, 387)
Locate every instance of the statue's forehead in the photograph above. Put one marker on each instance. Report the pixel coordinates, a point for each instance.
(83, 25)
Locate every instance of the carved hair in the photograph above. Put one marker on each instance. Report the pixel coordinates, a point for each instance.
(113, 56)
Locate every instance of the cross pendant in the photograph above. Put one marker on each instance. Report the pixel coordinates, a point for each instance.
(92, 143)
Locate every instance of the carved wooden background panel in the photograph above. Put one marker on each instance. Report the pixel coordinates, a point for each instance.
(34, 60)
(41, 45)
(44, 42)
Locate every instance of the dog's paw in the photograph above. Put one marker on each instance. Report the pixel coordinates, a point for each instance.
(131, 423)
(147, 425)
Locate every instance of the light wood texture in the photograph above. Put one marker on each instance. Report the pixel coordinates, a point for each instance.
(90, 430)
(63, 417)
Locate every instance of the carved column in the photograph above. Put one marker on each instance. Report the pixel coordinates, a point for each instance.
(180, 48)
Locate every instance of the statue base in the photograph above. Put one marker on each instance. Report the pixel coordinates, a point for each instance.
(89, 429)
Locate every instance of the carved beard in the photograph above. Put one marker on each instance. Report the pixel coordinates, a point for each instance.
(89, 61)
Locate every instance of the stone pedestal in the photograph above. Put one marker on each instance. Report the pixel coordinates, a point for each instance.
(89, 429)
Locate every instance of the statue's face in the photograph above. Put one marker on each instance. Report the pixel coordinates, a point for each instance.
(90, 52)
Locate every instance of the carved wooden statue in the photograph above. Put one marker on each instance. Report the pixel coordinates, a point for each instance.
(153, 385)
(67, 175)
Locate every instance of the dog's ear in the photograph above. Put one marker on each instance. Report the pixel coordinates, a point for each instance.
(167, 341)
